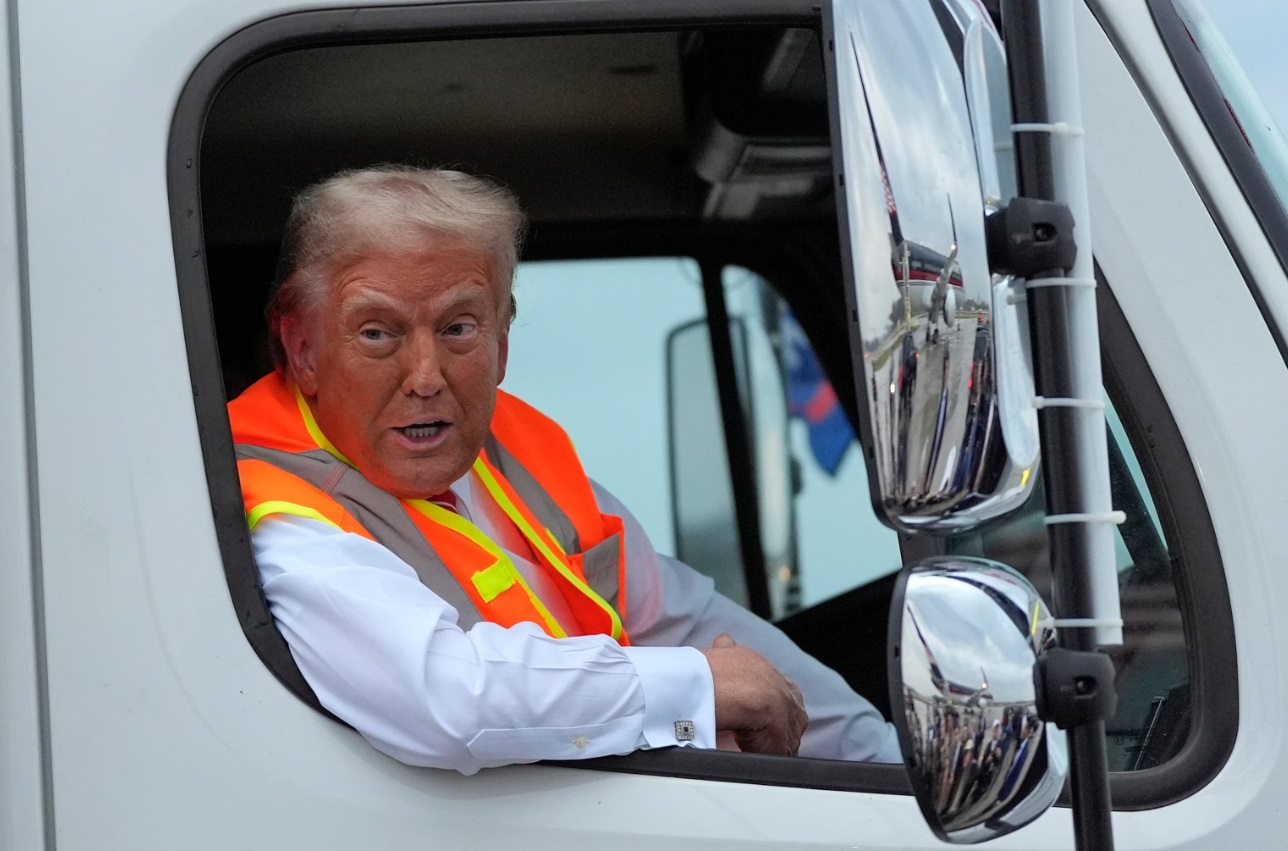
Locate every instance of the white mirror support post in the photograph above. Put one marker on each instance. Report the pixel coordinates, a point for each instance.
(1070, 414)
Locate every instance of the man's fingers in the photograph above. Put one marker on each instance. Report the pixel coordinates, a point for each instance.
(783, 740)
(727, 740)
(754, 700)
(799, 716)
(796, 692)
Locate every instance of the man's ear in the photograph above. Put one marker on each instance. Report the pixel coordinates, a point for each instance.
(502, 352)
(503, 338)
(301, 353)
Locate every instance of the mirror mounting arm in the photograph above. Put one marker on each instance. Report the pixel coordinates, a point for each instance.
(1029, 237)
(1063, 351)
(1074, 687)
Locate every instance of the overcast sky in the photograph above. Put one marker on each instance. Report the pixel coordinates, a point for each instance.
(1257, 30)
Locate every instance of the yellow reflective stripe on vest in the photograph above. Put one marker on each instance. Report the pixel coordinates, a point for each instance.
(492, 580)
(489, 482)
(555, 541)
(315, 431)
(264, 509)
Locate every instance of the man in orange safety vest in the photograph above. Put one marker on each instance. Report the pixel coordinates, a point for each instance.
(449, 580)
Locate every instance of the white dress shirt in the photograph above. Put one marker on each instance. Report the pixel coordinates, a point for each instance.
(385, 654)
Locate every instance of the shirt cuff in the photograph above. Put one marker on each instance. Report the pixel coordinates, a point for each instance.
(679, 696)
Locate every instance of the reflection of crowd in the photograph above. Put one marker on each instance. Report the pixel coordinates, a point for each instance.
(975, 757)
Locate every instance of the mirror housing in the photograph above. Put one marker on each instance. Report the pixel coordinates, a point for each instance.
(965, 638)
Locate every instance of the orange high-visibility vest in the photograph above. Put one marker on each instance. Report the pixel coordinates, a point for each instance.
(287, 466)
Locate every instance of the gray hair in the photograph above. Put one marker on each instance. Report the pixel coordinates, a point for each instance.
(386, 210)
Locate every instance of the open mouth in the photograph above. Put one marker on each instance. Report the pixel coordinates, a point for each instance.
(420, 431)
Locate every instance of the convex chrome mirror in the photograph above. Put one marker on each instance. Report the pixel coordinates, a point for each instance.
(965, 635)
(925, 156)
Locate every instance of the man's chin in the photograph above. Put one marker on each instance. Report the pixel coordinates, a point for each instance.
(418, 484)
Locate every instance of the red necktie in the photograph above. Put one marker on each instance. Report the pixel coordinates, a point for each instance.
(446, 500)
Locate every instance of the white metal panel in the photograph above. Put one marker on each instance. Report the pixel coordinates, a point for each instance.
(1227, 386)
(22, 800)
(1068, 159)
(1151, 65)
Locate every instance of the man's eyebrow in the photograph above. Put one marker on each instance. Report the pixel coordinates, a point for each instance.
(367, 300)
(465, 295)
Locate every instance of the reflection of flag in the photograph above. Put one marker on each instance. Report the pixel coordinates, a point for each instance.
(937, 678)
(811, 398)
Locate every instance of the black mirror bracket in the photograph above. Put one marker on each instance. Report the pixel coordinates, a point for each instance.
(1030, 236)
(1074, 687)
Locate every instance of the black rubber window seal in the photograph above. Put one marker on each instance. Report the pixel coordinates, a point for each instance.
(1207, 618)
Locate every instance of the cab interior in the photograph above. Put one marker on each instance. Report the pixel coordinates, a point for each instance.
(615, 143)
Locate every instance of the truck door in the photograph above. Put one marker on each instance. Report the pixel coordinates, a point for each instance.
(150, 199)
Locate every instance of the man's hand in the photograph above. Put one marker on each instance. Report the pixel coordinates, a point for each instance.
(762, 708)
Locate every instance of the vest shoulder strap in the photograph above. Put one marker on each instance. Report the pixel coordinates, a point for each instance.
(268, 414)
(537, 457)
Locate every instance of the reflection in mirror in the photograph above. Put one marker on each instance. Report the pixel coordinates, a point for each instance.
(989, 101)
(946, 455)
(965, 635)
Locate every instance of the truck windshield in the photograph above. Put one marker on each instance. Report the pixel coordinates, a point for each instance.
(1242, 42)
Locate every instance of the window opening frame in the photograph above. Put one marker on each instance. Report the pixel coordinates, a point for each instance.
(1208, 631)
(429, 23)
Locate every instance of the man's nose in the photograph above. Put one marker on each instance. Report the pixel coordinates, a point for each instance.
(424, 368)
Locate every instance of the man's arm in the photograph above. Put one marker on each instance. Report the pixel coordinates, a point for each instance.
(669, 603)
(385, 654)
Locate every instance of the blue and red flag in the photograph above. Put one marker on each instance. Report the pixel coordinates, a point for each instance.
(811, 398)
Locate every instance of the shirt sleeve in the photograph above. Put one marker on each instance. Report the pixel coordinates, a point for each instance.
(669, 603)
(385, 654)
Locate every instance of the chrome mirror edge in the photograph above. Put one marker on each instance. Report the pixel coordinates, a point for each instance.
(965, 635)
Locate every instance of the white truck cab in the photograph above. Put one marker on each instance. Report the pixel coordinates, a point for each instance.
(687, 311)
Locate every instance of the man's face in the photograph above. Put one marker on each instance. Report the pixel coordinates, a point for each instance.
(401, 364)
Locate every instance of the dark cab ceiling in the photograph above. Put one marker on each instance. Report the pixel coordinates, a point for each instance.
(673, 125)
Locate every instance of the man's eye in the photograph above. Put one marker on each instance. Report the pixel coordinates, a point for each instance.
(374, 334)
(459, 329)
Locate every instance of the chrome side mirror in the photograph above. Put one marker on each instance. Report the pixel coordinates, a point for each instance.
(965, 635)
(949, 423)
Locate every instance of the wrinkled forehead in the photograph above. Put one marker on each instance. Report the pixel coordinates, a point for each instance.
(432, 261)
(415, 277)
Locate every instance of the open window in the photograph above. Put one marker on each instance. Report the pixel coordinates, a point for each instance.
(677, 167)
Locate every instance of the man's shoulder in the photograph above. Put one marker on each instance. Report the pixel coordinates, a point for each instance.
(534, 438)
(268, 414)
(513, 411)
